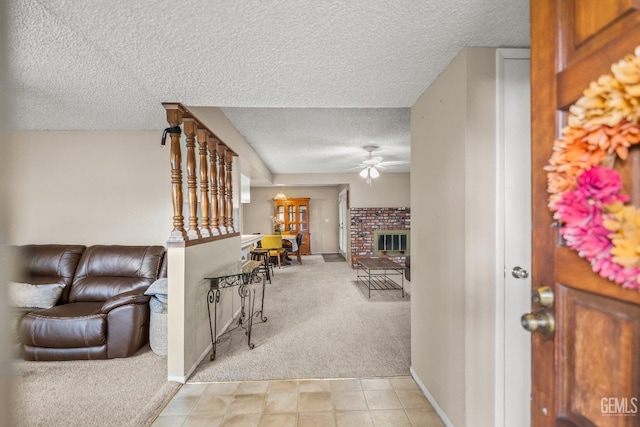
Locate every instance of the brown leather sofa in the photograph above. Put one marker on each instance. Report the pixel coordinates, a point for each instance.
(102, 313)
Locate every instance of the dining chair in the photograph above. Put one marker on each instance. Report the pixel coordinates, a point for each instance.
(273, 242)
(299, 238)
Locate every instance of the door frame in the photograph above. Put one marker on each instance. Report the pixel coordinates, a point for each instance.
(500, 401)
(343, 213)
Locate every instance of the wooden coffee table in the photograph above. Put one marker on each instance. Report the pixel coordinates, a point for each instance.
(377, 274)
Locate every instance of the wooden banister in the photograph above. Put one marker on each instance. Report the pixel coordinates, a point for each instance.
(214, 164)
(190, 127)
(202, 136)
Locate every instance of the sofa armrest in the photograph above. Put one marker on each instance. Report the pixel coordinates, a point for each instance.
(125, 298)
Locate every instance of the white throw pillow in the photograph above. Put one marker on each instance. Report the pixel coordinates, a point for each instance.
(34, 296)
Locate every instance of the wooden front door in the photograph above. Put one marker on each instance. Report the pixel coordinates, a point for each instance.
(587, 372)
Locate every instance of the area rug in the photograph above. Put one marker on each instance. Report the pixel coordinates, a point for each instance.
(115, 392)
(333, 257)
(319, 326)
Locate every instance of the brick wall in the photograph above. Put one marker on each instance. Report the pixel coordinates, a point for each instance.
(364, 221)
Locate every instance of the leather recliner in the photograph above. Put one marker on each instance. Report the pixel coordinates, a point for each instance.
(103, 313)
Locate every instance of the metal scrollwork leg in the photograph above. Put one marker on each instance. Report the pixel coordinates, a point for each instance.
(261, 312)
(213, 297)
(247, 290)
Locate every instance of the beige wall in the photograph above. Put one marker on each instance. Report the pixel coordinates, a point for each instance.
(188, 333)
(90, 188)
(323, 214)
(389, 190)
(453, 234)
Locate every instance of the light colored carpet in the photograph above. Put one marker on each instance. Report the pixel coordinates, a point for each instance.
(116, 392)
(320, 325)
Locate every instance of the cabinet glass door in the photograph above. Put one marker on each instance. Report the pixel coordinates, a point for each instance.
(303, 217)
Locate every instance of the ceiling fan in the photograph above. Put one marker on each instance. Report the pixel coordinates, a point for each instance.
(372, 163)
(369, 171)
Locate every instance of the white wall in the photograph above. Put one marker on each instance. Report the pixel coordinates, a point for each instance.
(453, 234)
(90, 188)
(323, 214)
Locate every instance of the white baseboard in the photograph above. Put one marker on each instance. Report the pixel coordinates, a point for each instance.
(206, 352)
(431, 399)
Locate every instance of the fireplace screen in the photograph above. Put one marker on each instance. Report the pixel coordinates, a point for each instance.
(391, 242)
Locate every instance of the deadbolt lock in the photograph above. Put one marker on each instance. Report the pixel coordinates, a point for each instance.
(543, 296)
(541, 321)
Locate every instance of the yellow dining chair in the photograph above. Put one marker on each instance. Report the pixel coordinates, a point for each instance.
(273, 242)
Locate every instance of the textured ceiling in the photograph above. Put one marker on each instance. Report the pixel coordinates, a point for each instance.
(107, 65)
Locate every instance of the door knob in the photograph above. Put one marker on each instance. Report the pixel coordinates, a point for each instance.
(543, 296)
(541, 321)
(519, 273)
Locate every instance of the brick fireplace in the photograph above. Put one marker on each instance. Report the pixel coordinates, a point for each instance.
(366, 221)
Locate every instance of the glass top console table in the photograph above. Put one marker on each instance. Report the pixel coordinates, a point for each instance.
(241, 275)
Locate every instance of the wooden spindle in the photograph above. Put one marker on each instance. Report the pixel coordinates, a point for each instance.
(213, 180)
(190, 127)
(222, 200)
(203, 139)
(174, 118)
(229, 191)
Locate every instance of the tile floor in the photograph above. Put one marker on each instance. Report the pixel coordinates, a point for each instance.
(387, 402)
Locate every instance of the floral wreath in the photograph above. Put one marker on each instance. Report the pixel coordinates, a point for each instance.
(585, 191)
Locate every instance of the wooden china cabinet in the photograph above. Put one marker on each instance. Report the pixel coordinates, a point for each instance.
(294, 215)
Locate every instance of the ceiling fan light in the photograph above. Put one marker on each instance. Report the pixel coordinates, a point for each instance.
(374, 173)
(364, 172)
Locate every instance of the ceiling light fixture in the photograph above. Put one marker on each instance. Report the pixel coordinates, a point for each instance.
(369, 173)
(279, 196)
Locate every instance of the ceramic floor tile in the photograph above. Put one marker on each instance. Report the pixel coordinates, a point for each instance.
(181, 405)
(279, 420)
(376, 384)
(390, 418)
(315, 401)
(315, 385)
(253, 387)
(349, 400)
(246, 404)
(424, 418)
(169, 421)
(203, 421)
(345, 385)
(191, 389)
(289, 386)
(316, 419)
(212, 405)
(382, 399)
(353, 419)
(221, 388)
(404, 383)
(241, 420)
(413, 399)
(281, 403)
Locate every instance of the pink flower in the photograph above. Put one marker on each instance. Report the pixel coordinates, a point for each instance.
(575, 210)
(601, 184)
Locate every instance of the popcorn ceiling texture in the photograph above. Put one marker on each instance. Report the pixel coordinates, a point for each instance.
(95, 65)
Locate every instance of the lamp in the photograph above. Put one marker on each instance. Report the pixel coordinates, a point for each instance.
(279, 196)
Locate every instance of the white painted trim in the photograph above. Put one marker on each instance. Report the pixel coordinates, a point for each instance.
(499, 367)
(431, 399)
